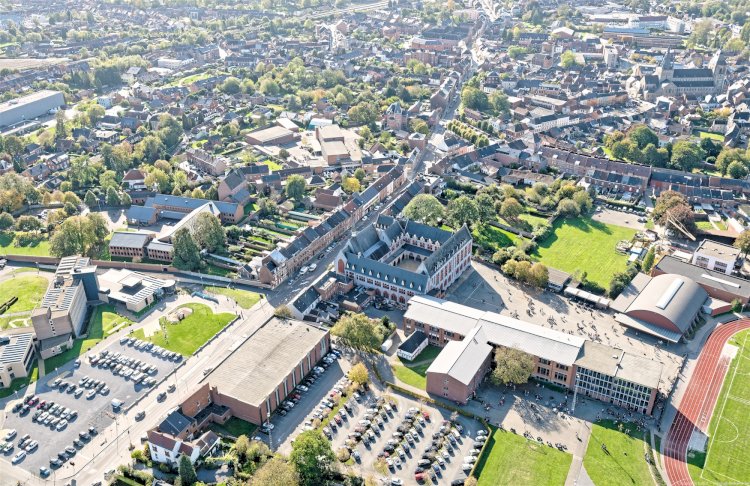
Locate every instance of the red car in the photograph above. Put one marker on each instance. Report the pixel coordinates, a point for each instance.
(419, 477)
(337, 419)
(41, 404)
(426, 415)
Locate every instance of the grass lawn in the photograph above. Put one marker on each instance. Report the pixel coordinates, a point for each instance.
(704, 225)
(713, 136)
(727, 461)
(235, 427)
(272, 165)
(586, 245)
(28, 288)
(8, 247)
(108, 320)
(494, 238)
(192, 332)
(511, 459)
(624, 464)
(244, 298)
(17, 321)
(532, 219)
(20, 383)
(414, 373)
(212, 269)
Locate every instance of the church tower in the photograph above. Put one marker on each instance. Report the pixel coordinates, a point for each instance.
(718, 66)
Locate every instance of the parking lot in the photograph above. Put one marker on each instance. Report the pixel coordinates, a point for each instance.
(412, 441)
(290, 425)
(93, 404)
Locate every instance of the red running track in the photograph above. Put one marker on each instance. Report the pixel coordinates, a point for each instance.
(698, 402)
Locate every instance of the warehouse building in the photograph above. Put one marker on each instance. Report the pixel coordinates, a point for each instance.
(261, 371)
(30, 106)
(469, 337)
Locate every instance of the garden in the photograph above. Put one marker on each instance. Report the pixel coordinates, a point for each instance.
(29, 289)
(21, 243)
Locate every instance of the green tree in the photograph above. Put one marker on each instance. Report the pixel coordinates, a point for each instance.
(283, 312)
(79, 235)
(568, 59)
(499, 102)
(583, 200)
(276, 472)
(185, 252)
(419, 126)
(312, 457)
(186, 471)
(125, 200)
(28, 223)
(267, 207)
(737, 170)
(241, 445)
(208, 232)
(648, 260)
(425, 208)
(462, 210)
(61, 130)
(359, 374)
(359, 332)
(538, 275)
(6, 221)
(94, 113)
(486, 207)
(726, 157)
(673, 206)
(474, 98)
(510, 210)
(643, 136)
(295, 187)
(568, 208)
(113, 198)
(686, 156)
(360, 174)
(743, 242)
(513, 366)
(350, 185)
(231, 85)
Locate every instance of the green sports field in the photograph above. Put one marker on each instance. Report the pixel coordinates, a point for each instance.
(623, 463)
(585, 245)
(727, 460)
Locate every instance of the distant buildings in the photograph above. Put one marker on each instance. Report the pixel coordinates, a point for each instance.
(176, 207)
(668, 80)
(178, 435)
(31, 106)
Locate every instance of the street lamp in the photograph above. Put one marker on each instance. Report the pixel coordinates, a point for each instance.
(575, 393)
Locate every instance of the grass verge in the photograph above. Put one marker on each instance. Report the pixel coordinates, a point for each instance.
(244, 298)
(414, 373)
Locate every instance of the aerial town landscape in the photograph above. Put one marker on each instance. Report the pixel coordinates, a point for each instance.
(374, 242)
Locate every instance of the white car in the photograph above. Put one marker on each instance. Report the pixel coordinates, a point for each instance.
(313, 266)
(20, 456)
(470, 459)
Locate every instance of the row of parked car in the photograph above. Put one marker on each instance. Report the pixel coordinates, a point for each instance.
(149, 347)
(129, 368)
(25, 445)
(77, 390)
